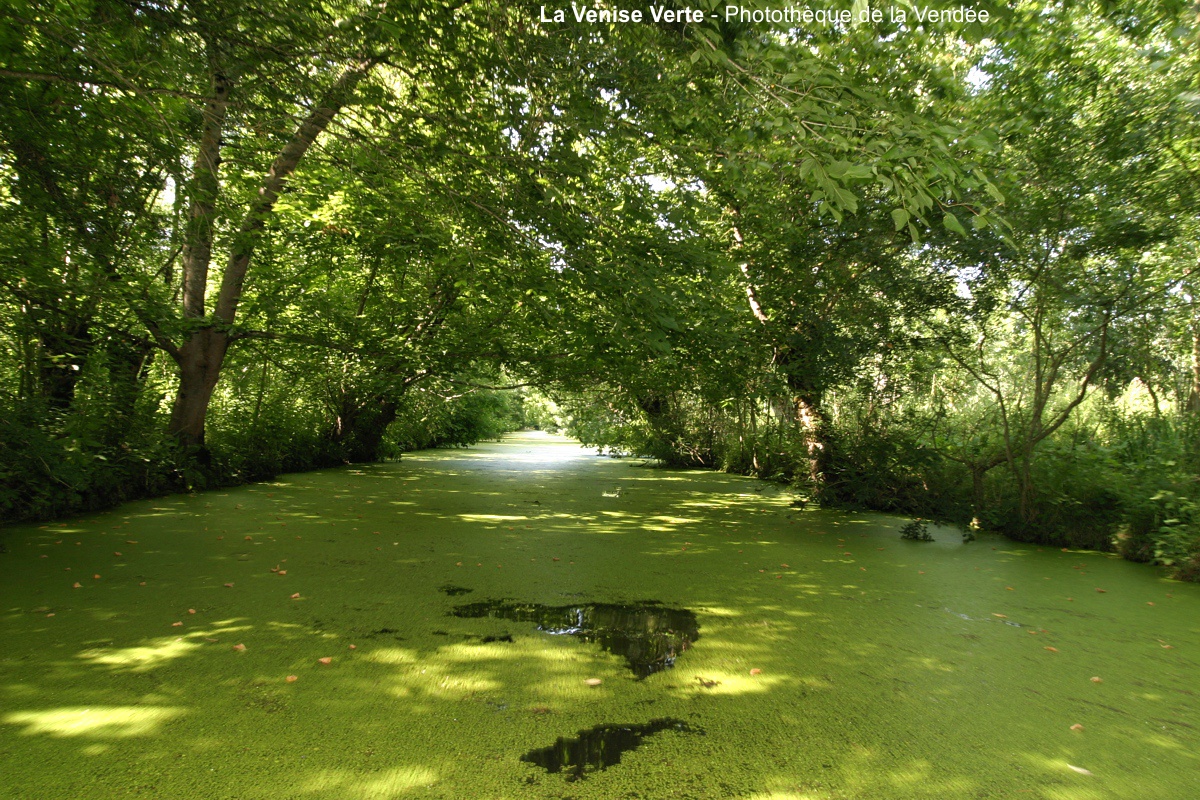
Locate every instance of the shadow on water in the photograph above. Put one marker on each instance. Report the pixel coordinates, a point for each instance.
(649, 636)
(599, 747)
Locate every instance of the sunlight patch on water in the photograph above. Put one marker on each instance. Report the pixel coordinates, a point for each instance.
(106, 722)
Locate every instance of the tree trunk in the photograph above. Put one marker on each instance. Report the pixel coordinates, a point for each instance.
(63, 352)
(360, 427)
(203, 353)
(811, 420)
(1193, 402)
(977, 498)
(199, 361)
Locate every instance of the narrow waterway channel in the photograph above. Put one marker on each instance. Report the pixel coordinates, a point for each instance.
(528, 619)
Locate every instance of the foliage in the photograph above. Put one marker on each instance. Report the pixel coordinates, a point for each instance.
(916, 531)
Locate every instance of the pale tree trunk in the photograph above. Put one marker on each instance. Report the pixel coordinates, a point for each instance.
(811, 420)
(1193, 402)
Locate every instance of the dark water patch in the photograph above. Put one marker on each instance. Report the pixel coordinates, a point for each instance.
(385, 632)
(454, 591)
(649, 636)
(599, 747)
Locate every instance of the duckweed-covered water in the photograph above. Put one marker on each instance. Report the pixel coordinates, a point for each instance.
(173, 648)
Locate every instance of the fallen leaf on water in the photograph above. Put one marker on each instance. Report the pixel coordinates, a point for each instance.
(1102, 591)
(784, 566)
(143, 583)
(191, 611)
(1001, 616)
(1149, 603)
(97, 577)
(248, 539)
(326, 660)
(1052, 649)
(176, 624)
(291, 679)
(296, 596)
(1009, 589)
(77, 585)
(353, 647)
(1168, 647)
(1097, 680)
(283, 572)
(130, 541)
(239, 647)
(229, 586)
(593, 681)
(1080, 770)
(1076, 727)
(756, 671)
(554, 559)
(458, 563)
(118, 555)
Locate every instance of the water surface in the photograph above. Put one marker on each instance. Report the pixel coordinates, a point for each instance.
(836, 661)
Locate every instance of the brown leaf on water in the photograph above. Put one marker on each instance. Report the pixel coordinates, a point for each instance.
(290, 678)
(593, 681)
(353, 647)
(1097, 680)
(191, 611)
(241, 648)
(1001, 616)
(1051, 649)
(1102, 591)
(296, 596)
(118, 555)
(97, 577)
(229, 586)
(176, 624)
(282, 572)
(326, 660)
(77, 585)
(1076, 727)
(756, 671)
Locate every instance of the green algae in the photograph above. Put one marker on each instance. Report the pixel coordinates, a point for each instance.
(885, 668)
